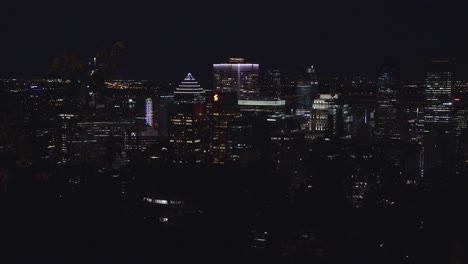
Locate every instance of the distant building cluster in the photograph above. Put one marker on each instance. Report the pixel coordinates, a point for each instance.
(346, 139)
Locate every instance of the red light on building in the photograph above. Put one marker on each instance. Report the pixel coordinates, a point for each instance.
(216, 97)
(457, 99)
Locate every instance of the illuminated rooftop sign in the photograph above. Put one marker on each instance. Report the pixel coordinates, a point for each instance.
(236, 60)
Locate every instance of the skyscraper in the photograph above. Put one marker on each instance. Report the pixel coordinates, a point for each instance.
(438, 94)
(323, 116)
(271, 85)
(387, 103)
(438, 143)
(237, 76)
(412, 100)
(461, 125)
(149, 120)
(306, 91)
(242, 78)
(189, 91)
(226, 138)
(288, 150)
(164, 105)
(187, 122)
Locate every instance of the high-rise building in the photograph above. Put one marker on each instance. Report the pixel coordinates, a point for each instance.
(439, 99)
(288, 149)
(461, 126)
(99, 140)
(225, 116)
(270, 84)
(189, 91)
(322, 116)
(387, 103)
(359, 94)
(188, 122)
(237, 76)
(149, 120)
(438, 142)
(306, 92)
(164, 104)
(143, 134)
(412, 102)
(460, 101)
(288, 92)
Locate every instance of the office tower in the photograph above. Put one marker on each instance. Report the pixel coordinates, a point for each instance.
(189, 91)
(164, 104)
(387, 103)
(143, 134)
(438, 122)
(460, 101)
(242, 136)
(461, 126)
(187, 124)
(237, 76)
(323, 114)
(359, 94)
(91, 138)
(270, 84)
(288, 149)
(149, 119)
(243, 78)
(140, 138)
(224, 112)
(412, 102)
(439, 99)
(288, 92)
(306, 91)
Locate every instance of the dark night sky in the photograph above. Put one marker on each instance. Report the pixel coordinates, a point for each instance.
(174, 37)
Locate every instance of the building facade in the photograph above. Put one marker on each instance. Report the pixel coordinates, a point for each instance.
(187, 123)
(237, 76)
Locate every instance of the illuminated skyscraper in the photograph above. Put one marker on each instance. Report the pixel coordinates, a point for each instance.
(439, 148)
(387, 103)
(149, 112)
(227, 139)
(460, 101)
(242, 78)
(306, 92)
(322, 118)
(237, 76)
(189, 91)
(461, 126)
(270, 84)
(412, 101)
(439, 101)
(187, 122)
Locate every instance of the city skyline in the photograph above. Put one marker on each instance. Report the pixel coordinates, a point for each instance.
(319, 132)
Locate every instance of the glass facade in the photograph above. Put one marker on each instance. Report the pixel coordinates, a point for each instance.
(188, 122)
(306, 91)
(237, 76)
(387, 103)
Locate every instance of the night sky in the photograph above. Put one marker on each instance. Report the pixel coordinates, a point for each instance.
(174, 37)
